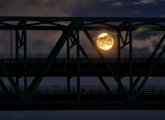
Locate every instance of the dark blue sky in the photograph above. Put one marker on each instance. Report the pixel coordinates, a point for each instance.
(90, 8)
(108, 8)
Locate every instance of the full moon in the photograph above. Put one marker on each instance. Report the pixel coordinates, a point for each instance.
(105, 41)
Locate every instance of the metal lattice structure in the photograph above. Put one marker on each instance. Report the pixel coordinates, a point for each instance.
(131, 97)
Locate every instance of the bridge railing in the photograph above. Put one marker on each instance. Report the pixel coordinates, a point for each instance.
(63, 58)
(90, 90)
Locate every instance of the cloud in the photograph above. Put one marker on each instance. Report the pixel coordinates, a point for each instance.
(38, 42)
(40, 7)
(162, 16)
(104, 0)
(145, 2)
(148, 42)
(117, 4)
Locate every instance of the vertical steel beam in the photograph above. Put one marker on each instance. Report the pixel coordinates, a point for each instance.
(17, 52)
(78, 62)
(119, 52)
(68, 66)
(25, 56)
(17, 43)
(130, 54)
(21, 42)
(11, 44)
(118, 45)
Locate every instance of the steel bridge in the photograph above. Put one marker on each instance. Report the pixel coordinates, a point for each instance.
(137, 70)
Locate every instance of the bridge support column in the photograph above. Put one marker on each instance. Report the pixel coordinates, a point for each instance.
(21, 44)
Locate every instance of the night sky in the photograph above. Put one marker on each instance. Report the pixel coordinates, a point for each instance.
(84, 8)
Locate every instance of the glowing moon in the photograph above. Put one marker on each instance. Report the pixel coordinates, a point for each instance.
(105, 41)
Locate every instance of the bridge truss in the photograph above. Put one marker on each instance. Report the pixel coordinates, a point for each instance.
(124, 97)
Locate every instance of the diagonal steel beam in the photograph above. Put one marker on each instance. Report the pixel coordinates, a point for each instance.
(104, 60)
(123, 25)
(150, 71)
(66, 34)
(100, 78)
(3, 86)
(68, 66)
(158, 46)
(104, 84)
(151, 57)
(119, 35)
(8, 75)
(124, 41)
(124, 45)
(135, 83)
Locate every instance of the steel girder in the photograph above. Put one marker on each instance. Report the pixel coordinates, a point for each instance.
(71, 31)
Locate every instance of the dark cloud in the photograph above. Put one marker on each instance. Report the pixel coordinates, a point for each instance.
(121, 8)
(39, 7)
(117, 4)
(110, 8)
(147, 2)
(147, 42)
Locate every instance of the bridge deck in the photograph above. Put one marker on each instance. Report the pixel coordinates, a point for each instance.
(89, 99)
(86, 99)
(95, 67)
